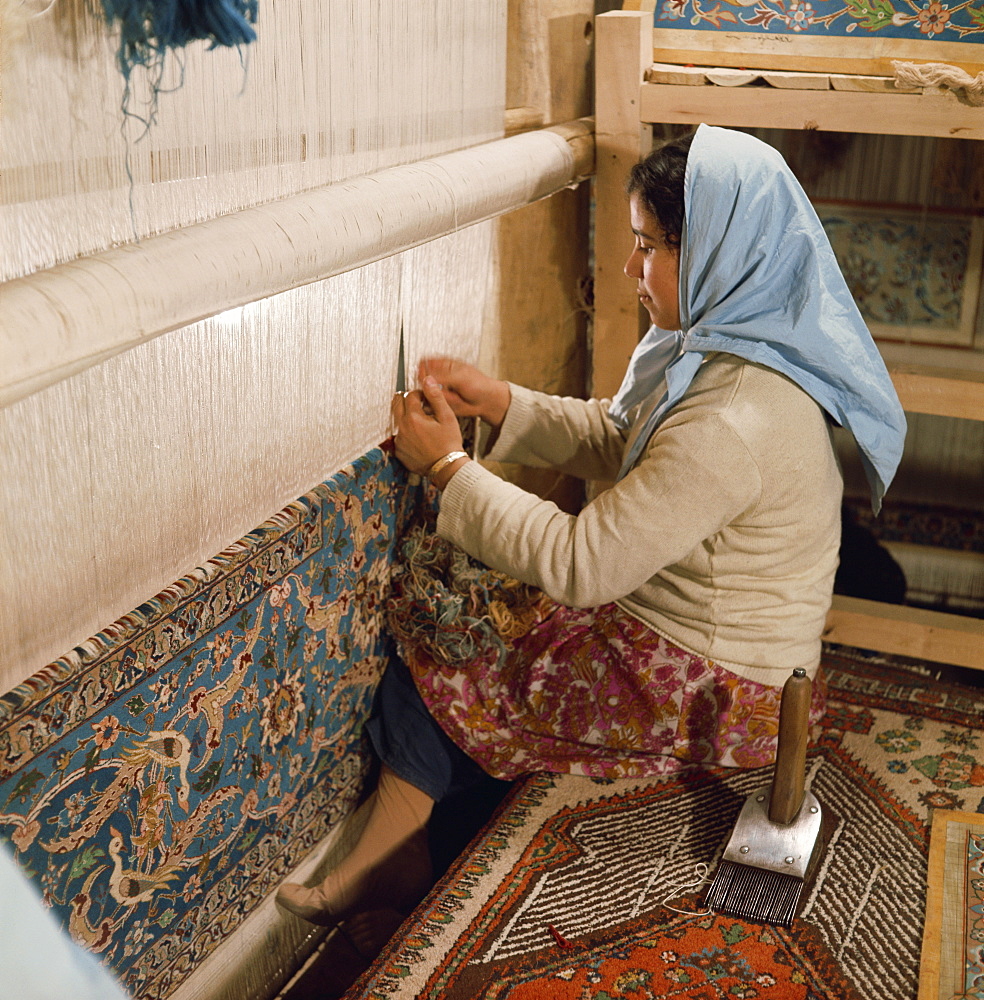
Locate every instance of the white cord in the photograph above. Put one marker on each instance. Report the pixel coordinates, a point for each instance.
(700, 870)
(38, 13)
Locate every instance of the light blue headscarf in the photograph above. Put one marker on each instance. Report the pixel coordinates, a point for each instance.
(758, 279)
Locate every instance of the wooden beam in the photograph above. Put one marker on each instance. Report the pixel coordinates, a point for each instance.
(60, 321)
(935, 114)
(580, 136)
(623, 41)
(946, 392)
(905, 631)
(522, 120)
(813, 53)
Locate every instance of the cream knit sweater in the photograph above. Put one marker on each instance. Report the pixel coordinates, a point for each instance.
(723, 537)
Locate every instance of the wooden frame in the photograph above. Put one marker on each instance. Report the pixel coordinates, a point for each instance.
(932, 113)
(932, 307)
(625, 107)
(947, 946)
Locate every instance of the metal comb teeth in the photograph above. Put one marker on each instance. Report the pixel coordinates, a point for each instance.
(755, 894)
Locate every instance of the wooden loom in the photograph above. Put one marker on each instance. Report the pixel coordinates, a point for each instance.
(198, 326)
(630, 98)
(273, 224)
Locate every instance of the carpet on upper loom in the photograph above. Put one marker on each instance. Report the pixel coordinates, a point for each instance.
(564, 894)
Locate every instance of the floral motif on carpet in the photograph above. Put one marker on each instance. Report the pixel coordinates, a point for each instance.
(574, 890)
(891, 20)
(160, 780)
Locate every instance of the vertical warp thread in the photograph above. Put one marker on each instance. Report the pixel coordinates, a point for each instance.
(149, 464)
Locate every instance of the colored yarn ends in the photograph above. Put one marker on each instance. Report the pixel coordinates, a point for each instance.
(457, 609)
(149, 28)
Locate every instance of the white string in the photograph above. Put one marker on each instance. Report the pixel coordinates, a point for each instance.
(700, 870)
(223, 142)
(43, 11)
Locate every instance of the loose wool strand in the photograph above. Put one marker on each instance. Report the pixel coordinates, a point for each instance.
(151, 28)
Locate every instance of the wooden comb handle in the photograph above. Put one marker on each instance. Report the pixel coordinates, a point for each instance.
(789, 780)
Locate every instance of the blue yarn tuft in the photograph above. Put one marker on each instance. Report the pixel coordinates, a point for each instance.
(149, 28)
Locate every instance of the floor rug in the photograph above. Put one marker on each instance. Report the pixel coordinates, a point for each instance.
(591, 890)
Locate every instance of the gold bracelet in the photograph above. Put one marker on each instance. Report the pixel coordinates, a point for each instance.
(451, 456)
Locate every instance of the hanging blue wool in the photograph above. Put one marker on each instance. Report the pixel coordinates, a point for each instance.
(149, 28)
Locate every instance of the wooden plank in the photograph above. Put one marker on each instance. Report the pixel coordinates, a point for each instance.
(929, 963)
(683, 76)
(722, 76)
(624, 48)
(692, 76)
(797, 81)
(894, 628)
(935, 114)
(784, 50)
(869, 84)
(946, 392)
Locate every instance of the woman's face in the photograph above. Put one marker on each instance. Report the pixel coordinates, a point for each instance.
(655, 267)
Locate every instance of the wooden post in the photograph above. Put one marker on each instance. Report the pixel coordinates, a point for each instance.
(539, 335)
(624, 43)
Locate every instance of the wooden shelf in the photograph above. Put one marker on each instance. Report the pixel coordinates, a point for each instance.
(946, 392)
(755, 106)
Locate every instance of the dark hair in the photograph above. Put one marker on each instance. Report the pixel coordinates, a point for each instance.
(658, 181)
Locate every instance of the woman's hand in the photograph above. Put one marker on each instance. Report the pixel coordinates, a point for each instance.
(426, 427)
(468, 391)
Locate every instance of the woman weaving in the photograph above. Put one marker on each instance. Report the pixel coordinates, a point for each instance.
(679, 600)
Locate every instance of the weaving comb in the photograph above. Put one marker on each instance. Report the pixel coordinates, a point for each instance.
(765, 862)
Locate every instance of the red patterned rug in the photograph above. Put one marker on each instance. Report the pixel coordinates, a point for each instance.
(588, 890)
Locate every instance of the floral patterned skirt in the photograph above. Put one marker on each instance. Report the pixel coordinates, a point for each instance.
(543, 687)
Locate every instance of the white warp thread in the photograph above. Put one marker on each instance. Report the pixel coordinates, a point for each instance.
(125, 475)
(971, 88)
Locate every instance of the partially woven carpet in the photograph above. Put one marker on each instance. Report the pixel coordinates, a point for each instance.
(564, 893)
